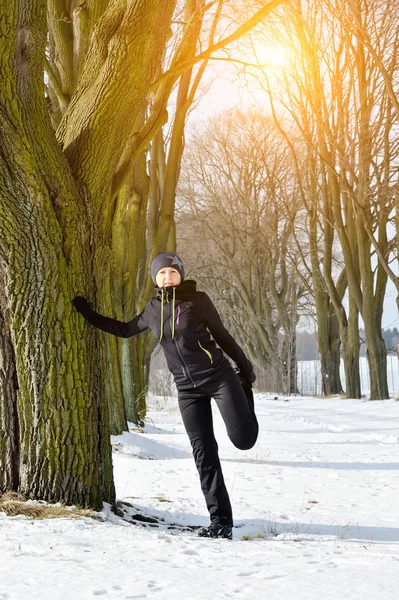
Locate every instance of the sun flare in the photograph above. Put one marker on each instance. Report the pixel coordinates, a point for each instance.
(269, 55)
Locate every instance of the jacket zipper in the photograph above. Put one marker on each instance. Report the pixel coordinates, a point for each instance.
(206, 352)
(185, 367)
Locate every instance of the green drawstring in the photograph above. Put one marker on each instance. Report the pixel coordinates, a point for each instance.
(173, 314)
(160, 337)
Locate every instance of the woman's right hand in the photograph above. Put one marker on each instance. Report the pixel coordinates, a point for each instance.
(247, 378)
(82, 305)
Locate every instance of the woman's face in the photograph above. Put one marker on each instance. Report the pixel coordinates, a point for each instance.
(167, 276)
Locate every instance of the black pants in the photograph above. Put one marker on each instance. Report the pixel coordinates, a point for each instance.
(242, 429)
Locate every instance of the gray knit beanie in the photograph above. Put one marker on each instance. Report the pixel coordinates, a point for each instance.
(166, 259)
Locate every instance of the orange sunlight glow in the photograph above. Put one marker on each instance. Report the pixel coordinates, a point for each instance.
(270, 55)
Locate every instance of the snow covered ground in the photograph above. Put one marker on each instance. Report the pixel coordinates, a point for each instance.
(316, 511)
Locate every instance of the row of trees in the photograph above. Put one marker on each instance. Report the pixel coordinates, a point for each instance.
(316, 212)
(241, 199)
(339, 121)
(358, 152)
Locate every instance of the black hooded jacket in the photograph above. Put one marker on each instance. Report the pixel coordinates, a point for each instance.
(190, 331)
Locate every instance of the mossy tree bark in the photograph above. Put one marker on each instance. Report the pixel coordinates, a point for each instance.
(47, 235)
(60, 449)
(9, 428)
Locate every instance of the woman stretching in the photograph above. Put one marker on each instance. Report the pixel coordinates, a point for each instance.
(194, 341)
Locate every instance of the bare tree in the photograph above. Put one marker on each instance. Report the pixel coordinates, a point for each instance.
(335, 95)
(242, 204)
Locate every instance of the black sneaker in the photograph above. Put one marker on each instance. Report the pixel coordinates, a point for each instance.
(216, 530)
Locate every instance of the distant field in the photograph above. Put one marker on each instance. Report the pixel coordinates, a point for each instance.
(309, 376)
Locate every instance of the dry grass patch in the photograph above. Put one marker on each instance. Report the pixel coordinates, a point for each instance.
(259, 535)
(13, 504)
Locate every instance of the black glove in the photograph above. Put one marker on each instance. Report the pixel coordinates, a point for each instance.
(247, 379)
(246, 383)
(82, 305)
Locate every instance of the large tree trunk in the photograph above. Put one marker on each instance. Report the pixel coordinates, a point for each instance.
(61, 448)
(63, 422)
(112, 98)
(9, 429)
(351, 351)
(119, 69)
(114, 383)
(373, 288)
(372, 315)
(328, 342)
(290, 365)
(377, 361)
(136, 368)
(329, 346)
(129, 257)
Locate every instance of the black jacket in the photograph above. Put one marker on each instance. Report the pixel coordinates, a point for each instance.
(187, 325)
